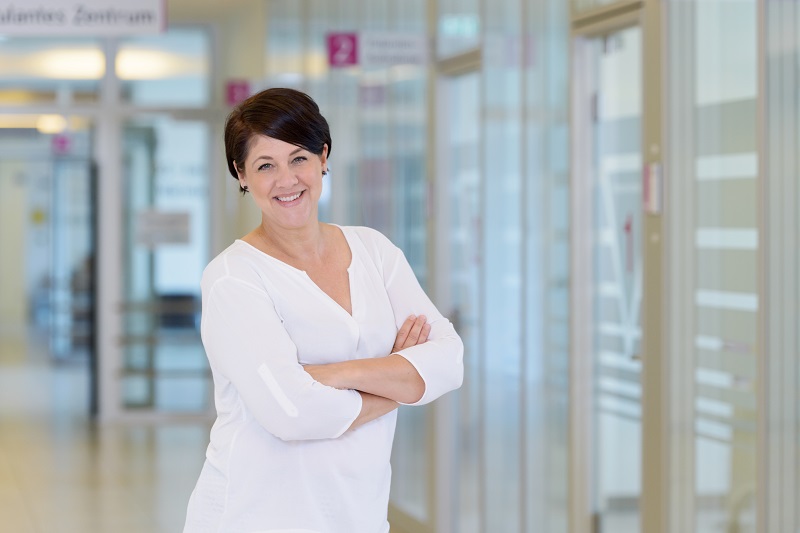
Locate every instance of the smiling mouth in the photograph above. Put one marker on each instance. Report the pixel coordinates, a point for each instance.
(291, 198)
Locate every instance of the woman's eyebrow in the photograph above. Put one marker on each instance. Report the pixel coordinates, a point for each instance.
(273, 159)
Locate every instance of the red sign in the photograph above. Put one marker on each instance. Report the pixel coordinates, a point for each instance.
(342, 49)
(236, 91)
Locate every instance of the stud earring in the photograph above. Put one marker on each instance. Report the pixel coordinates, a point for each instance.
(324, 173)
(245, 189)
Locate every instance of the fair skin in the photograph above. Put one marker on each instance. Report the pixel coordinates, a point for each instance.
(285, 182)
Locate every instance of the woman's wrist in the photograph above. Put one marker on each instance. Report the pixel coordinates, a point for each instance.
(336, 375)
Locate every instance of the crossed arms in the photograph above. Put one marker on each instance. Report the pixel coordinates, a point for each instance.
(294, 402)
(382, 381)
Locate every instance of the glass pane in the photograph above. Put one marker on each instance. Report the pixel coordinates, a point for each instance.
(171, 69)
(378, 176)
(72, 249)
(502, 246)
(617, 265)
(47, 230)
(285, 47)
(57, 70)
(547, 262)
(458, 27)
(167, 249)
(407, 128)
(461, 120)
(713, 109)
(726, 266)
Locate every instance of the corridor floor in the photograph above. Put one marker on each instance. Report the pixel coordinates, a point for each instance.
(61, 473)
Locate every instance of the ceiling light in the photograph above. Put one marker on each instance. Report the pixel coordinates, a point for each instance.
(50, 124)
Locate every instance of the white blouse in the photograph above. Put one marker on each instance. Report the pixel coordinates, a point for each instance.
(281, 458)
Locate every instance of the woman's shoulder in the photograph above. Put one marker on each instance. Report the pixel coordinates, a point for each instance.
(238, 261)
(370, 237)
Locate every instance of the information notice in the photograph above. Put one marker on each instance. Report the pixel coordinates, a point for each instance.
(83, 17)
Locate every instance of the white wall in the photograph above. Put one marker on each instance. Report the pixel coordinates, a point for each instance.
(13, 214)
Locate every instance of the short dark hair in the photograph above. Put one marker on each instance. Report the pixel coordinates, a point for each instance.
(284, 114)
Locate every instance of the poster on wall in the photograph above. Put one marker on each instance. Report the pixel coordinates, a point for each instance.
(83, 17)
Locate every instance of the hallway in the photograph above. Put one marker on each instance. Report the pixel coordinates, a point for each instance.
(61, 473)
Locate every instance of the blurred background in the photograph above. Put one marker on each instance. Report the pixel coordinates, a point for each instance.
(602, 196)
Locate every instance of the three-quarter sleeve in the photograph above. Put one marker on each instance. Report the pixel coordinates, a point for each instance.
(439, 361)
(247, 344)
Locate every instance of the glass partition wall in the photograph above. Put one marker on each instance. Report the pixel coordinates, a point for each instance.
(717, 253)
(462, 161)
(504, 265)
(378, 175)
(723, 279)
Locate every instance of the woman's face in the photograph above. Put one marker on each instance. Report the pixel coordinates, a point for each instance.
(284, 180)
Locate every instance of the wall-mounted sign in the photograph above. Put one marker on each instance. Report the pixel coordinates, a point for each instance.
(236, 91)
(154, 228)
(377, 49)
(342, 49)
(82, 17)
(61, 143)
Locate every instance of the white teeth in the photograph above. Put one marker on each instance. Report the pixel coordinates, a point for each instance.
(289, 198)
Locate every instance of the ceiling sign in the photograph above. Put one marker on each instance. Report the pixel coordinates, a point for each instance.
(82, 17)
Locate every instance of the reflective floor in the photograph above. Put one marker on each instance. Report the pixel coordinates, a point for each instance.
(61, 473)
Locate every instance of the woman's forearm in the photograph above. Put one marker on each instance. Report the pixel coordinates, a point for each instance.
(373, 407)
(391, 377)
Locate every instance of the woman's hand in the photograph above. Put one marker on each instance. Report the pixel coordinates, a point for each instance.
(415, 330)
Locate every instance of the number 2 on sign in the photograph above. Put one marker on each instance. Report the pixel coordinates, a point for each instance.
(343, 49)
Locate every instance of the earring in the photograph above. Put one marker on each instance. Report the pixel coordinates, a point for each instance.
(324, 173)
(245, 189)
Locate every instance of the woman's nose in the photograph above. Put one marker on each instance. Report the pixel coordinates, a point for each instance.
(286, 178)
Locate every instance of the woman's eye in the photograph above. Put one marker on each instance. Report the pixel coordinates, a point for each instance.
(299, 159)
(265, 166)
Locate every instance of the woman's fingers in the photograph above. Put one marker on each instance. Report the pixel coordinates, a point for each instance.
(423, 336)
(402, 334)
(416, 331)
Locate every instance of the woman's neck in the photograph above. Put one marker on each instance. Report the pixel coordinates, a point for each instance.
(302, 244)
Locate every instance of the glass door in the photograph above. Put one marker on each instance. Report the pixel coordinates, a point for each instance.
(166, 202)
(608, 262)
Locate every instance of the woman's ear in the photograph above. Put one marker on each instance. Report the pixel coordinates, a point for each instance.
(324, 157)
(240, 176)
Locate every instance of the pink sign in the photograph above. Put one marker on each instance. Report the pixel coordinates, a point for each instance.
(61, 144)
(236, 91)
(342, 49)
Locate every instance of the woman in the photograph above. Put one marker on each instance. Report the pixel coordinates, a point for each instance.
(315, 333)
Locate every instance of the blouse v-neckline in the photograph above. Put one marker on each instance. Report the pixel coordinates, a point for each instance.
(304, 274)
